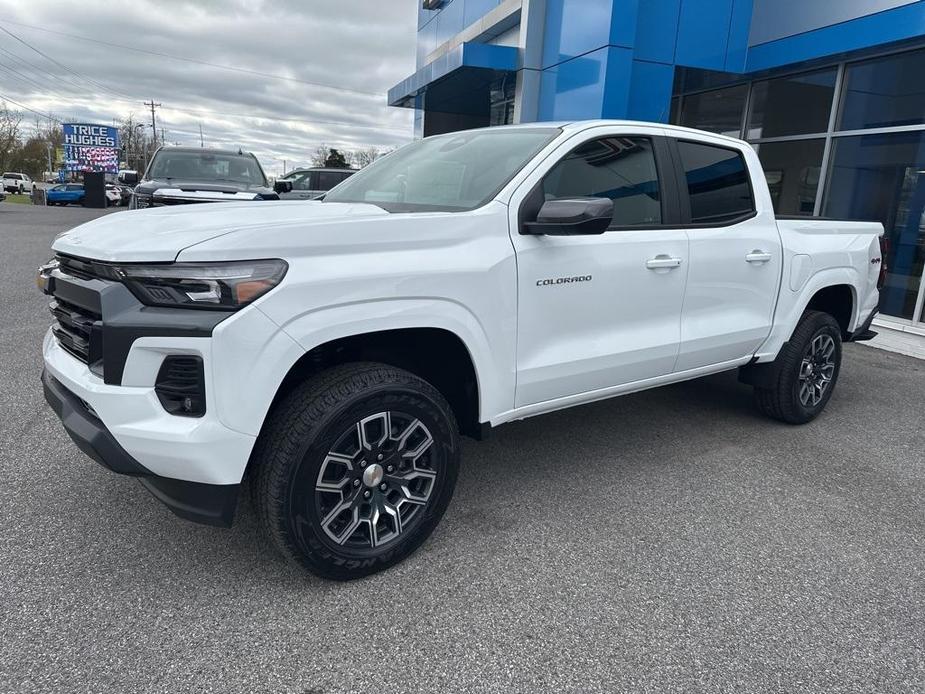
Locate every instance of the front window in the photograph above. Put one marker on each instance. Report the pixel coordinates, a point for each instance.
(619, 168)
(449, 173)
(301, 180)
(206, 166)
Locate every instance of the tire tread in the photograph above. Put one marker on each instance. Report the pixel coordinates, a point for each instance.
(300, 416)
(777, 402)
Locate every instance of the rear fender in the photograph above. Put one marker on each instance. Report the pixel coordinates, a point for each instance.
(792, 305)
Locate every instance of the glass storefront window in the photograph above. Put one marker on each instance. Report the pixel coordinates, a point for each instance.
(792, 170)
(718, 111)
(882, 178)
(884, 92)
(792, 105)
(501, 100)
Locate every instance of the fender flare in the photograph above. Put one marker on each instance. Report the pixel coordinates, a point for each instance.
(494, 371)
(786, 322)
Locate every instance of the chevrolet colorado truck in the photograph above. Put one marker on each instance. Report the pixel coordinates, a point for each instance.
(332, 352)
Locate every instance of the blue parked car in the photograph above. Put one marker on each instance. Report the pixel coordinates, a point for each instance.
(66, 194)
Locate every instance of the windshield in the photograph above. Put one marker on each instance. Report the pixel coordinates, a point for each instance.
(448, 173)
(206, 166)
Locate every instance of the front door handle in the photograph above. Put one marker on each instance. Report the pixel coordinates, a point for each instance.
(758, 257)
(663, 262)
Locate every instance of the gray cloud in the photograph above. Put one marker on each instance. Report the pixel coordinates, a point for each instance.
(364, 46)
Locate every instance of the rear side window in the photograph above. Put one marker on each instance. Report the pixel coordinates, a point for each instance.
(620, 168)
(717, 183)
(329, 179)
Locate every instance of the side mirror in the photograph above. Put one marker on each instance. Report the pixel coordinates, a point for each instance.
(572, 216)
(282, 187)
(129, 179)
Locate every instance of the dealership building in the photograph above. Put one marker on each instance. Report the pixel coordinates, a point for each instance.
(831, 93)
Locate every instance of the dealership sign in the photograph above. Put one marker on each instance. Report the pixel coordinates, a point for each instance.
(91, 148)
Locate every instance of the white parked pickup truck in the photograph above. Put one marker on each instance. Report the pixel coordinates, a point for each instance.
(332, 352)
(17, 183)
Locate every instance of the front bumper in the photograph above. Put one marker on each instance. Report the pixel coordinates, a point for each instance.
(212, 504)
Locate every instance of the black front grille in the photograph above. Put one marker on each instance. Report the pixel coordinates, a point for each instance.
(77, 330)
(180, 386)
(86, 269)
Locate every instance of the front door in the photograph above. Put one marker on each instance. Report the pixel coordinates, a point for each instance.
(601, 311)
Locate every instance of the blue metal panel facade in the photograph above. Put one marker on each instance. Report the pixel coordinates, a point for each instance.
(617, 58)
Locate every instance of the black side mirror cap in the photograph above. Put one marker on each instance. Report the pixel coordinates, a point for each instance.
(572, 217)
(282, 187)
(129, 179)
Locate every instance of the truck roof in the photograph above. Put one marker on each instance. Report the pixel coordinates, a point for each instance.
(579, 125)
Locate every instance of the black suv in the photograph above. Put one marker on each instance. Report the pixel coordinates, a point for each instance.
(186, 175)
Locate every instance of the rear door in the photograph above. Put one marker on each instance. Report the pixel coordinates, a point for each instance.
(735, 253)
(600, 311)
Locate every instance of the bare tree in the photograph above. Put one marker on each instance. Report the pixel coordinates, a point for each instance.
(9, 135)
(364, 157)
(320, 155)
(136, 142)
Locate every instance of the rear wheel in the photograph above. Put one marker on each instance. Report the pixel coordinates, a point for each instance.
(805, 371)
(355, 469)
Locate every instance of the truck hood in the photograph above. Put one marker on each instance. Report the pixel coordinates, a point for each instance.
(160, 234)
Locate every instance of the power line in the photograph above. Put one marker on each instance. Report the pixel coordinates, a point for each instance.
(38, 113)
(34, 66)
(23, 78)
(251, 116)
(232, 68)
(61, 65)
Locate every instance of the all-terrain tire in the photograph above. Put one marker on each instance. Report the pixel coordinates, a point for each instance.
(783, 400)
(304, 440)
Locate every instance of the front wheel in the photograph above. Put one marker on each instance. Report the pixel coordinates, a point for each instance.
(805, 371)
(355, 469)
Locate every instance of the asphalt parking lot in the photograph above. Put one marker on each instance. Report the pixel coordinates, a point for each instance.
(670, 541)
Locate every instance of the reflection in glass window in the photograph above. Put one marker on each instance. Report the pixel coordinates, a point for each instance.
(620, 168)
(718, 111)
(717, 183)
(792, 171)
(882, 178)
(501, 101)
(793, 105)
(884, 92)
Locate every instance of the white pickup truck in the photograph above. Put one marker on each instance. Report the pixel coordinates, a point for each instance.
(17, 183)
(333, 351)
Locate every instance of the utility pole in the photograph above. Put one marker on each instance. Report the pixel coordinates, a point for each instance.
(153, 120)
(201, 143)
(45, 182)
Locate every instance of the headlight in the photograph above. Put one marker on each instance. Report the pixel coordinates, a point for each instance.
(223, 286)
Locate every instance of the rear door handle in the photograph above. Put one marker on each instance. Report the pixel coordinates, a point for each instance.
(663, 262)
(758, 257)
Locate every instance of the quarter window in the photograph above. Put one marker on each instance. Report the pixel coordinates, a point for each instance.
(717, 183)
(620, 168)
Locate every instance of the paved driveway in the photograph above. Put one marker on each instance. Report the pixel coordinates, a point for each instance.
(670, 541)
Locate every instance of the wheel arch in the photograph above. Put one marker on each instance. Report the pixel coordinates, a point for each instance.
(837, 300)
(834, 289)
(437, 355)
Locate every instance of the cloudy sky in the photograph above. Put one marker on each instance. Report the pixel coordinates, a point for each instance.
(324, 68)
